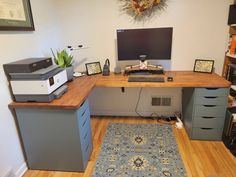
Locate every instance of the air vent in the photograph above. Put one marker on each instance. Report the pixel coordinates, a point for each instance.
(158, 101)
(166, 101)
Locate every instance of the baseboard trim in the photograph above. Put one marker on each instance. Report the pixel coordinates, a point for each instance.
(119, 113)
(132, 114)
(20, 172)
(112, 113)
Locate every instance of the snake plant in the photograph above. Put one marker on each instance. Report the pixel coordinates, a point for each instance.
(62, 58)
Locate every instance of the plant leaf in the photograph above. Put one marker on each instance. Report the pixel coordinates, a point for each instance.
(62, 58)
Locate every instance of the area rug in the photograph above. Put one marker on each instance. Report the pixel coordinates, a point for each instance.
(139, 150)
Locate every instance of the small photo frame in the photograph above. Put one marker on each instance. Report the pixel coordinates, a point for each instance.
(93, 68)
(203, 66)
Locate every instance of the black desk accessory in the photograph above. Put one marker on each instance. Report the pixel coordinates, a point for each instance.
(106, 68)
(170, 79)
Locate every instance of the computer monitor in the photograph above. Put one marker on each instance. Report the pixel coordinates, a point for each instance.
(144, 44)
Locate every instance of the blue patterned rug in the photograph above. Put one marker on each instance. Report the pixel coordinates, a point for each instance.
(139, 150)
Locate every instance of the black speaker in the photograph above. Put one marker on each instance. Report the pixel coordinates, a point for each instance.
(232, 14)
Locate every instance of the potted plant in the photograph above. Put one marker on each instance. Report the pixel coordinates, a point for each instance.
(64, 60)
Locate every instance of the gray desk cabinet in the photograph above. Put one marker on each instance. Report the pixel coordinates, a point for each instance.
(204, 112)
(56, 139)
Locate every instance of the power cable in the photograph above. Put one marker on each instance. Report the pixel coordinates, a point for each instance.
(136, 107)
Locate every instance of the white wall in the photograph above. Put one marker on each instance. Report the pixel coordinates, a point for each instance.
(15, 46)
(200, 29)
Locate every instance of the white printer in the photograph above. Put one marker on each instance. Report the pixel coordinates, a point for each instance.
(35, 80)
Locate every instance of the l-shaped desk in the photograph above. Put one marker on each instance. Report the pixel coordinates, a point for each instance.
(57, 135)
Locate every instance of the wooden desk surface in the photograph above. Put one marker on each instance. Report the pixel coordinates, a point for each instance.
(181, 79)
(80, 88)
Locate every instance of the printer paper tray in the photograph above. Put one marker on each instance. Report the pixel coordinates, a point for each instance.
(42, 98)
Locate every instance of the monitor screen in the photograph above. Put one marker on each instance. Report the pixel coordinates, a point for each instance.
(155, 43)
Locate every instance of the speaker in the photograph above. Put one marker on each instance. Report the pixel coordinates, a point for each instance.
(232, 14)
(117, 70)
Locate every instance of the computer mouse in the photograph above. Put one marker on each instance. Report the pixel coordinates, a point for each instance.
(170, 79)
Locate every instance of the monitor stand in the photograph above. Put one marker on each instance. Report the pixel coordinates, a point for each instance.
(144, 67)
(143, 64)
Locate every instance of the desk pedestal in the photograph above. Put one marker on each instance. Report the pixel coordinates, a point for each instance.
(56, 139)
(204, 112)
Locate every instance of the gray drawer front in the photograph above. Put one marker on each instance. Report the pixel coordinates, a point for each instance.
(85, 131)
(211, 92)
(208, 111)
(86, 142)
(87, 147)
(86, 153)
(208, 122)
(207, 134)
(211, 100)
(84, 118)
(83, 107)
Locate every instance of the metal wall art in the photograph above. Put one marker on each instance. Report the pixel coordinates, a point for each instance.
(142, 8)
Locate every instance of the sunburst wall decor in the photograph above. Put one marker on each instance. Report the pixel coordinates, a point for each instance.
(142, 8)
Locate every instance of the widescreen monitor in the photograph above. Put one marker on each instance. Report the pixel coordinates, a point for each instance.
(154, 43)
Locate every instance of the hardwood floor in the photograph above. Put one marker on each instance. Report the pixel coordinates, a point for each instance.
(201, 158)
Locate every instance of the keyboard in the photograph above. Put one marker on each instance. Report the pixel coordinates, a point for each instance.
(145, 79)
(144, 71)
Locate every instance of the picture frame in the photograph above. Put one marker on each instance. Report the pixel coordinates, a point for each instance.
(203, 66)
(93, 68)
(16, 16)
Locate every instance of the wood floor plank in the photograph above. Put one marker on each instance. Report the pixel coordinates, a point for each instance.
(201, 158)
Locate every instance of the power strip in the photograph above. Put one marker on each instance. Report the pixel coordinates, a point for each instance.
(179, 123)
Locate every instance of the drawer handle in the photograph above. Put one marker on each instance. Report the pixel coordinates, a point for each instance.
(82, 103)
(206, 128)
(205, 117)
(85, 122)
(83, 113)
(210, 97)
(209, 105)
(212, 88)
(85, 135)
(87, 147)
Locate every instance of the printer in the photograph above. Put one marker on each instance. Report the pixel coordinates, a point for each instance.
(35, 80)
